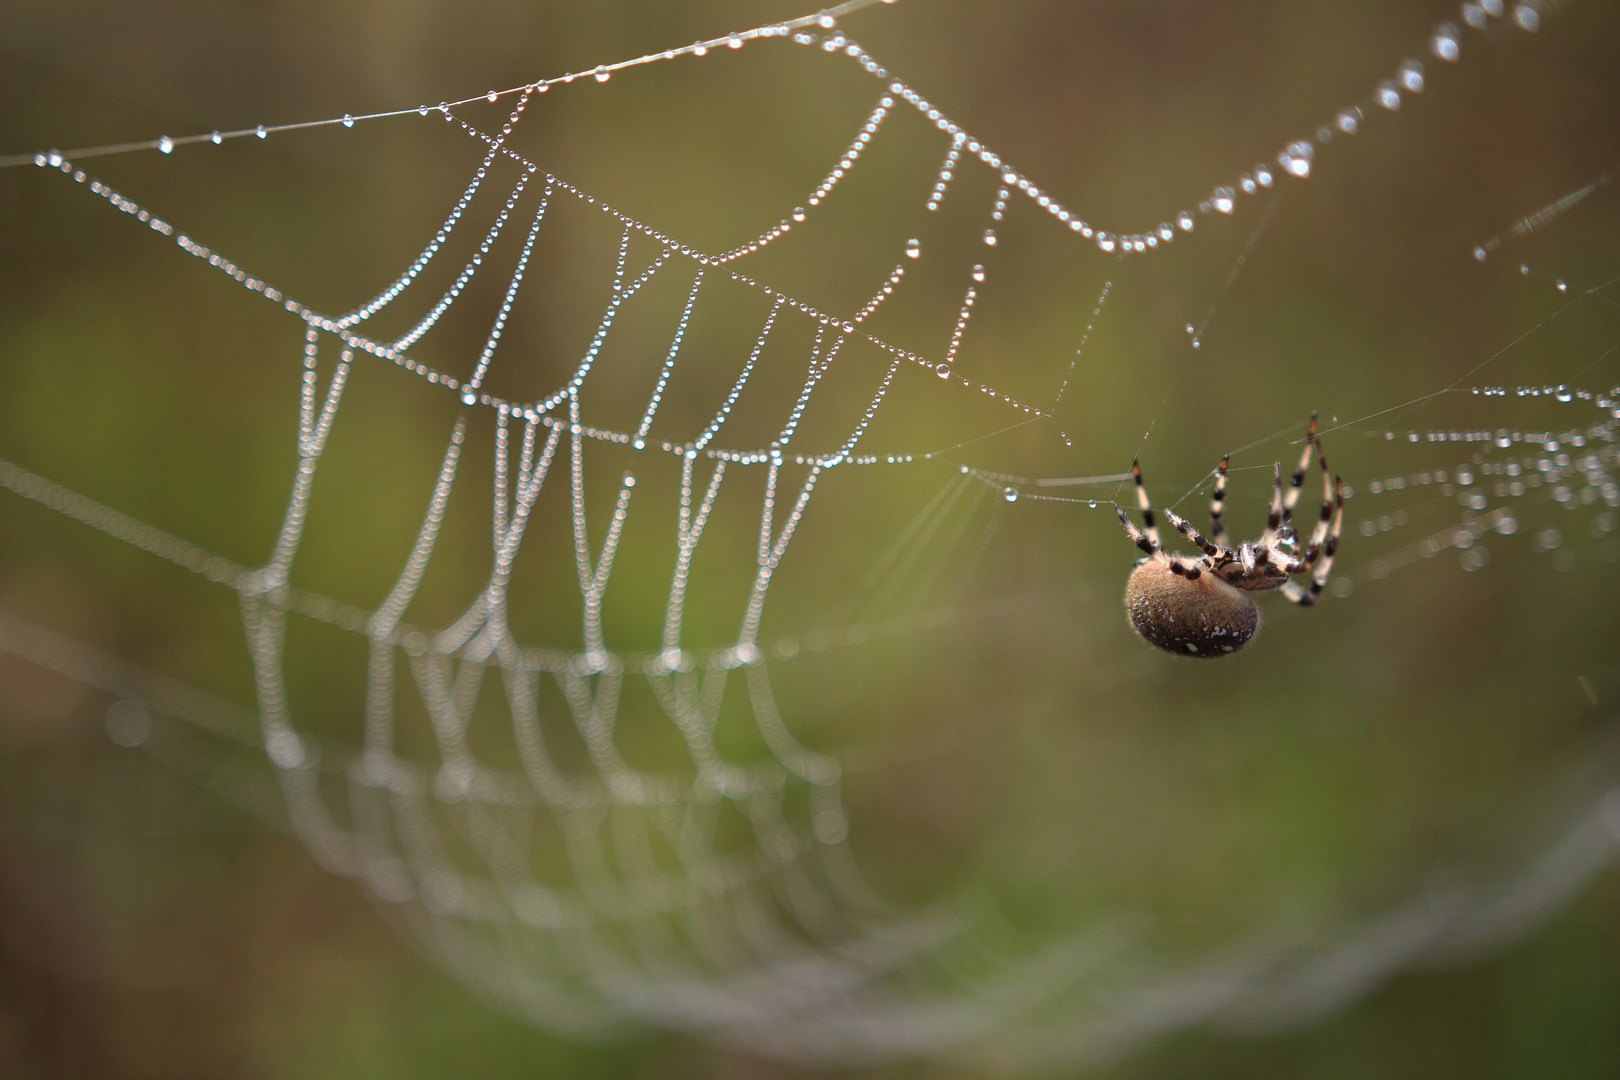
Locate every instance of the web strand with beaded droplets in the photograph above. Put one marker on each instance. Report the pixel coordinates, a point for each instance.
(631, 911)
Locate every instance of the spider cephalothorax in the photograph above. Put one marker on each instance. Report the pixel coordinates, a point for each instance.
(1201, 607)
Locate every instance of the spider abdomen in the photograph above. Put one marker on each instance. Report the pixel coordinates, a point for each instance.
(1202, 617)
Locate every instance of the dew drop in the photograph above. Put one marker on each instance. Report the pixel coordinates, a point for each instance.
(128, 723)
(348, 121)
(943, 371)
(1246, 182)
(798, 213)
(913, 249)
(1444, 43)
(1474, 16)
(1524, 270)
(990, 237)
(1262, 175)
(1010, 494)
(1561, 286)
(1185, 221)
(1479, 253)
(1527, 17)
(602, 74)
(978, 272)
(699, 49)
(1349, 121)
(1222, 200)
(734, 41)
(1410, 75)
(1297, 158)
(165, 144)
(1166, 232)
(216, 138)
(469, 398)
(260, 131)
(1191, 329)
(1106, 241)
(1493, 8)
(1387, 96)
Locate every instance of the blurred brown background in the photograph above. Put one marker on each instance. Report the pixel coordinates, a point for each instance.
(1041, 761)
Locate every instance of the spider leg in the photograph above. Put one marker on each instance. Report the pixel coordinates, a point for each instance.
(1274, 517)
(1147, 507)
(1147, 543)
(1318, 535)
(1296, 593)
(1324, 564)
(1299, 473)
(1217, 530)
(1323, 558)
(1187, 530)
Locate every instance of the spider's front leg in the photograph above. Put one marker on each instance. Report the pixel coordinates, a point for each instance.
(1145, 506)
(1139, 538)
(1186, 528)
(1148, 539)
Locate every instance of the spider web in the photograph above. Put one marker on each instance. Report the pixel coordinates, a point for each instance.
(605, 818)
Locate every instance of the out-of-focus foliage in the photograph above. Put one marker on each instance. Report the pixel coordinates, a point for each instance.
(1045, 762)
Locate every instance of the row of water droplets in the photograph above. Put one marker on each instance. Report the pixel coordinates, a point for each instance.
(1295, 159)
(1573, 469)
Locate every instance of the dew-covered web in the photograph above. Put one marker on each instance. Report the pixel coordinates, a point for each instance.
(610, 818)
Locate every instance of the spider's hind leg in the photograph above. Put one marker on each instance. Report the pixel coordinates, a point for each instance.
(1299, 472)
(1324, 543)
(1217, 503)
(1274, 513)
(1332, 509)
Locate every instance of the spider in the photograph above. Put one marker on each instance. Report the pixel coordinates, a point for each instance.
(1201, 607)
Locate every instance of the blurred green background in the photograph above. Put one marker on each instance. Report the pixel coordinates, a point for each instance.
(1438, 723)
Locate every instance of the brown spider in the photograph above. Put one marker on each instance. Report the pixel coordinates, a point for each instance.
(1201, 607)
